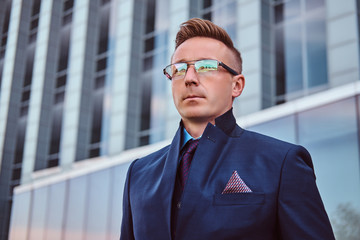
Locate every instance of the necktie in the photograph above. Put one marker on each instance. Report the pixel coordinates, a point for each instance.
(185, 162)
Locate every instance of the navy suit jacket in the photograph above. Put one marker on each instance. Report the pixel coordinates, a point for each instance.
(284, 202)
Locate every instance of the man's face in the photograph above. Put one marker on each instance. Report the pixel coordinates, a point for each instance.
(203, 97)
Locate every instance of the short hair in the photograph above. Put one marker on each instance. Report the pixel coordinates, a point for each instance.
(196, 27)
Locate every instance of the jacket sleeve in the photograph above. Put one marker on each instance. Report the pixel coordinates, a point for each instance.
(127, 224)
(301, 213)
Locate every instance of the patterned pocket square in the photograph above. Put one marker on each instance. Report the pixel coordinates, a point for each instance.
(236, 185)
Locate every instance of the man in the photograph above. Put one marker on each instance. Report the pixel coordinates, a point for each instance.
(240, 184)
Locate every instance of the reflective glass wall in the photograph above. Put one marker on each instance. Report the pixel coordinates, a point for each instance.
(331, 135)
(83, 207)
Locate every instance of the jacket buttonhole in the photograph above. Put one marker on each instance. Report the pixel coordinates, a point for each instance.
(211, 139)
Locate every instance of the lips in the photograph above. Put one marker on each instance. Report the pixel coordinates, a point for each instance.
(190, 97)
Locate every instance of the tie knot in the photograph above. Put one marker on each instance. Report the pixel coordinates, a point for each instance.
(191, 145)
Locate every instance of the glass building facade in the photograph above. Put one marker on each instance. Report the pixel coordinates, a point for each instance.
(82, 94)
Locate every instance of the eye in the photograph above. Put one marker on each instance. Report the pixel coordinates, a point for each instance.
(179, 69)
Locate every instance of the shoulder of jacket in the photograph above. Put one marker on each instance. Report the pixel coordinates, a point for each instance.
(154, 156)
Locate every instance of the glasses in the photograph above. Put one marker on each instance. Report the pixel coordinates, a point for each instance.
(178, 70)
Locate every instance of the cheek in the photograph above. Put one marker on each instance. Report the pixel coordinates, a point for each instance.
(221, 92)
(175, 93)
(221, 96)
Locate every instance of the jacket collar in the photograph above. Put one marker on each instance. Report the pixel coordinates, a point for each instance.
(226, 122)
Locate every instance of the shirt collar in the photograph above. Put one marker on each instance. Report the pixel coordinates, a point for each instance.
(186, 137)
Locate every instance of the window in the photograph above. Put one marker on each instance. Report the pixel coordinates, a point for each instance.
(95, 144)
(223, 13)
(153, 83)
(300, 46)
(59, 89)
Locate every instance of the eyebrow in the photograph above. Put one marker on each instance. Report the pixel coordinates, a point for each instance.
(198, 59)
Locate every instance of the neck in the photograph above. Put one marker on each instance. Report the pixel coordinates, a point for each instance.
(196, 129)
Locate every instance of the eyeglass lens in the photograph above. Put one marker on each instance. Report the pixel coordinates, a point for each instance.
(179, 69)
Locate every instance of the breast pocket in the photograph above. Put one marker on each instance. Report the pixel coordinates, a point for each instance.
(239, 199)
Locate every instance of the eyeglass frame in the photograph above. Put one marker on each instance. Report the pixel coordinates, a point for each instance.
(226, 67)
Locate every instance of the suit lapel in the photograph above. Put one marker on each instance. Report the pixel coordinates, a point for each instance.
(203, 170)
(166, 187)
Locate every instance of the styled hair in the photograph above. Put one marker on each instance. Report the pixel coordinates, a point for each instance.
(196, 27)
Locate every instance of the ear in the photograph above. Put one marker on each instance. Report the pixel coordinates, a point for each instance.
(238, 85)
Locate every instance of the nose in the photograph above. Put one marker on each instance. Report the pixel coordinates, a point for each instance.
(191, 76)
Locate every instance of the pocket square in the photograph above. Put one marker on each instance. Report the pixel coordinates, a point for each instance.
(236, 185)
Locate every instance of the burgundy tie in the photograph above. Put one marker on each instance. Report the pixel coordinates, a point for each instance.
(185, 162)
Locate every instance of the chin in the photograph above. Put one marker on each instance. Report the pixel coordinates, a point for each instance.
(196, 116)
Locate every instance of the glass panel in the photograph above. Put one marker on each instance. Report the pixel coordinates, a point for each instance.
(313, 4)
(280, 61)
(7, 17)
(293, 57)
(64, 48)
(98, 209)
(146, 102)
(300, 47)
(231, 30)
(207, 16)
(316, 50)
(148, 63)
(25, 96)
(99, 82)
(24, 110)
(20, 140)
(61, 81)
(207, 3)
(279, 13)
(68, 4)
(282, 128)
(94, 152)
(67, 18)
(36, 7)
(117, 188)
(16, 174)
(59, 97)
(38, 213)
(101, 64)
(34, 23)
(150, 16)
(98, 97)
(55, 211)
(76, 208)
(225, 15)
(56, 129)
(149, 44)
(287, 11)
(1, 69)
(20, 215)
(330, 134)
(292, 9)
(104, 29)
(158, 101)
(30, 54)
